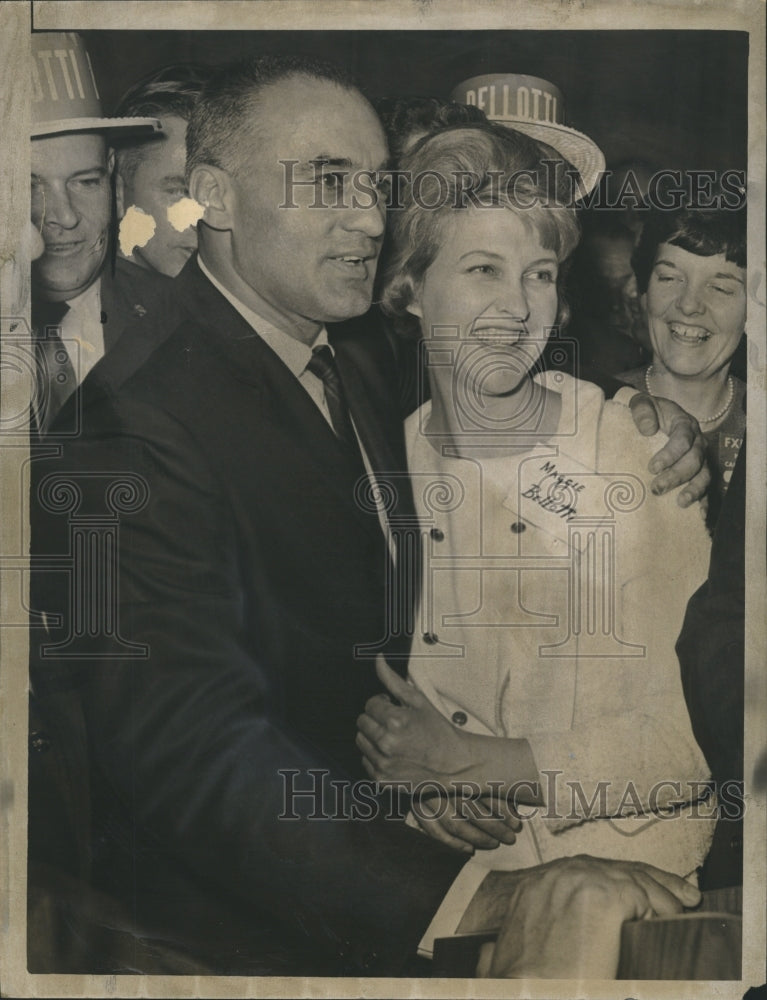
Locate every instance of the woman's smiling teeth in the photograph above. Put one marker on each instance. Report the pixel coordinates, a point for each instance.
(498, 334)
(685, 334)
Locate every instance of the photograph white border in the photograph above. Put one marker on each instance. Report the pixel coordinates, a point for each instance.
(15, 20)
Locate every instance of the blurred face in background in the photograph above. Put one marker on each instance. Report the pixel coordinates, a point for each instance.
(618, 301)
(151, 177)
(70, 208)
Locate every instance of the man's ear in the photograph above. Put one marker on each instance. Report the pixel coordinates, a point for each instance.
(212, 188)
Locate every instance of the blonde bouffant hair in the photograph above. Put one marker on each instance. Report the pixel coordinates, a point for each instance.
(448, 172)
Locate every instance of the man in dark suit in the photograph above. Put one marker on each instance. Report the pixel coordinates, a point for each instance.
(220, 664)
(82, 301)
(711, 650)
(251, 625)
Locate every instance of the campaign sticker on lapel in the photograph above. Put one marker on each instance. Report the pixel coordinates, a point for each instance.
(728, 447)
(561, 496)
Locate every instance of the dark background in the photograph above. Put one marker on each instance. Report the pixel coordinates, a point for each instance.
(675, 98)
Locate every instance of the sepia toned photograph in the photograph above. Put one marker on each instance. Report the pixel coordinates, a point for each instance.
(383, 576)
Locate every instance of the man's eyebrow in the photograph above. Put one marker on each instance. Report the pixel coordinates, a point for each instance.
(173, 179)
(325, 160)
(102, 171)
(78, 173)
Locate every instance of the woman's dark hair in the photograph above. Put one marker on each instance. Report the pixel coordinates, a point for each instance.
(702, 231)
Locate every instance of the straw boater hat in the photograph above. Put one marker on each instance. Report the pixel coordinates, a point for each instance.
(535, 107)
(65, 97)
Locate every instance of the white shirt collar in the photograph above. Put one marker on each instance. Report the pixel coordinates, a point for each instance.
(89, 301)
(294, 354)
(82, 330)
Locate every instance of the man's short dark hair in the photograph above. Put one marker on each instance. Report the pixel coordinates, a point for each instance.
(224, 113)
(702, 231)
(171, 90)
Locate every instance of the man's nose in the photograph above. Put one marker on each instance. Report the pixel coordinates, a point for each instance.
(368, 220)
(58, 209)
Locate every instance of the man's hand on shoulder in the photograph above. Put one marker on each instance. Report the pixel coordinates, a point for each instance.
(682, 460)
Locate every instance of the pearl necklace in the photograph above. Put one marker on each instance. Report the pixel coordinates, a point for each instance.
(701, 420)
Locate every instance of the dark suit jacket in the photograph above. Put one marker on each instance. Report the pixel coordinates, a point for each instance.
(128, 294)
(711, 655)
(249, 575)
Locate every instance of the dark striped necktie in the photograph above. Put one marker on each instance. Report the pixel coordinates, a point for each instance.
(323, 365)
(56, 377)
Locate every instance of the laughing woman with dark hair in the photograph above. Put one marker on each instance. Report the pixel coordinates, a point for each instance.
(691, 272)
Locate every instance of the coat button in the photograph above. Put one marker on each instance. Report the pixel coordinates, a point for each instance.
(437, 534)
(430, 638)
(518, 527)
(460, 718)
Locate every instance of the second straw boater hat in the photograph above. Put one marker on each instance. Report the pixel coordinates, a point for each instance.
(535, 107)
(65, 97)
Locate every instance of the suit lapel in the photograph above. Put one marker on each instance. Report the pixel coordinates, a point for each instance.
(128, 294)
(376, 418)
(381, 431)
(279, 398)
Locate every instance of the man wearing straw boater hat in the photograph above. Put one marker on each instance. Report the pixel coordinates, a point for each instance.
(81, 304)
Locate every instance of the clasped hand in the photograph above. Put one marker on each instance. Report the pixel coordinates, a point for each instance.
(412, 742)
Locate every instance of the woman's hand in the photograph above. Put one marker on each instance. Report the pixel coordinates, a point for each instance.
(466, 823)
(411, 741)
